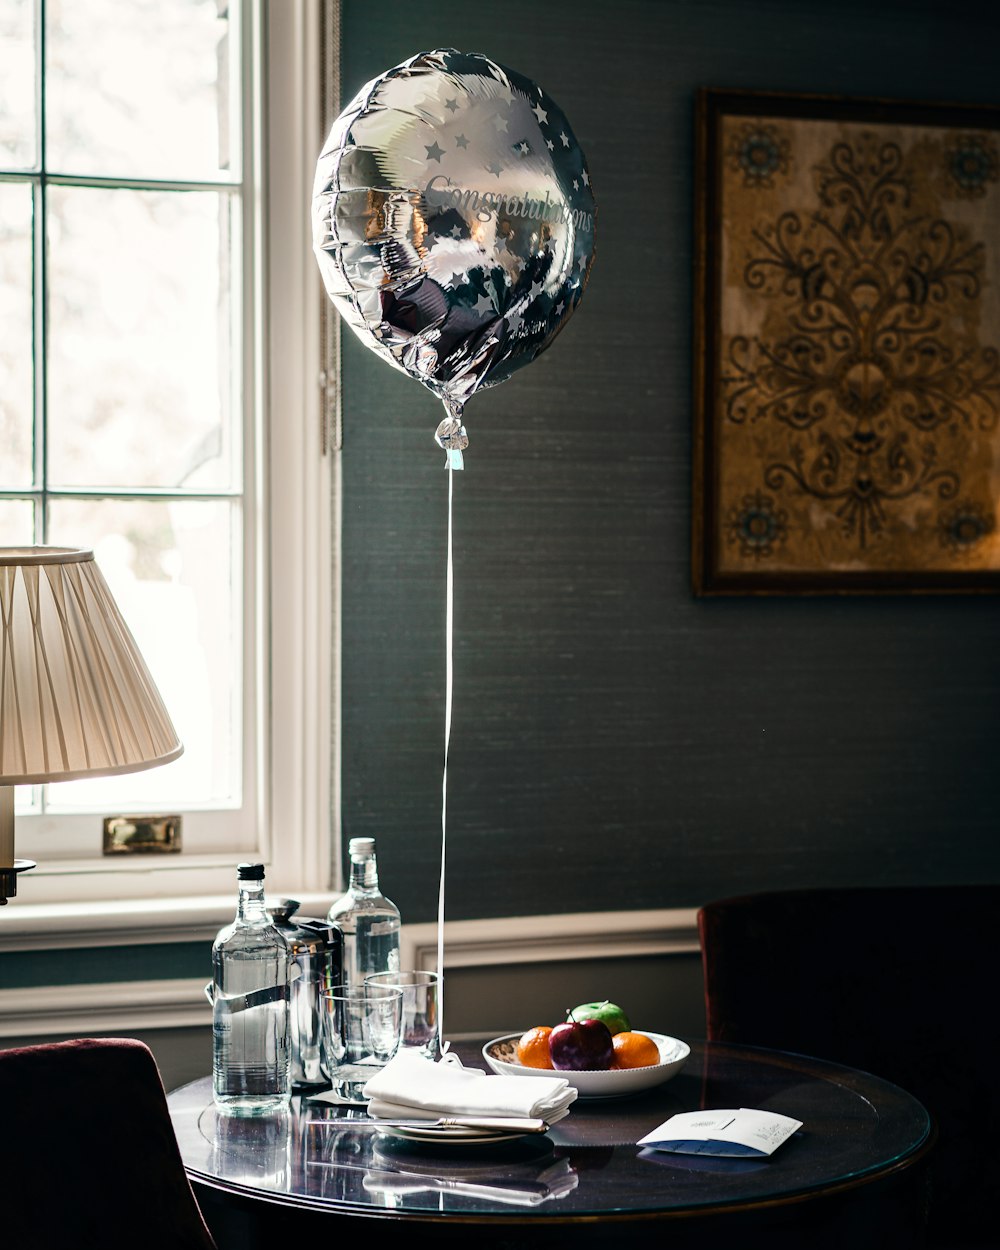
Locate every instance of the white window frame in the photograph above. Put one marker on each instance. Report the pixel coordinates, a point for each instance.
(292, 637)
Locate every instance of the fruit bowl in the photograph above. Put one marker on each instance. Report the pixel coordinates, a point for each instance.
(501, 1055)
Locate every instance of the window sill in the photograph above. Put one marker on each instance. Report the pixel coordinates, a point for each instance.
(137, 921)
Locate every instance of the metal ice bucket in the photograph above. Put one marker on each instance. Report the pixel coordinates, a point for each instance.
(316, 948)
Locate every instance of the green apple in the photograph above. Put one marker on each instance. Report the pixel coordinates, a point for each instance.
(608, 1013)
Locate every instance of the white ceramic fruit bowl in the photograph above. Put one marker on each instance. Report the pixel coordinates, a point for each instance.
(501, 1055)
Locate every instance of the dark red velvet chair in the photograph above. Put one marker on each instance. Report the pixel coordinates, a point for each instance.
(901, 982)
(90, 1157)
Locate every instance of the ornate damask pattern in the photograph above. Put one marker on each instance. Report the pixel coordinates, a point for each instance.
(859, 360)
(757, 525)
(972, 164)
(759, 152)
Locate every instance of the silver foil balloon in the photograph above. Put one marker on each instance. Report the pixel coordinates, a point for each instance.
(453, 221)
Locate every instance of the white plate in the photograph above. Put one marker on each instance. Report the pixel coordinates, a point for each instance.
(501, 1055)
(459, 1136)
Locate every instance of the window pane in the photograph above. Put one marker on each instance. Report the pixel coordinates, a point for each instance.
(139, 90)
(17, 84)
(16, 523)
(141, 363)
(171, 569)
(15, 336)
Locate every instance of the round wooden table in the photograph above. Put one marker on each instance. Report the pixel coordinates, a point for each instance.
(851, 1177)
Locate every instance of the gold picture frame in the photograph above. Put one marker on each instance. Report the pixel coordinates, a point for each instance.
(846, 346)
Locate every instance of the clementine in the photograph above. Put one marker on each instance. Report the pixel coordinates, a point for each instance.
(533, 1048)
(635, 1050)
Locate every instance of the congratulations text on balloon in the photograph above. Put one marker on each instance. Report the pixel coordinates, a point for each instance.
(440, 192)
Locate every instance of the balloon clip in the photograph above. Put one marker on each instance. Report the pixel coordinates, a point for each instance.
(451, 435)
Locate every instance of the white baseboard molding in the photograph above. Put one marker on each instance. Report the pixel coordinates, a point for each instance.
(551, 939)
(77, 1010)
(80, 1010)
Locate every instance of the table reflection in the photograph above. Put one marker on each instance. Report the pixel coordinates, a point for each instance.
(251, 1150)
(348, 1160)
(523, 1174)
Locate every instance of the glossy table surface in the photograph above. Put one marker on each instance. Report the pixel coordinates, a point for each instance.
(856, 1129)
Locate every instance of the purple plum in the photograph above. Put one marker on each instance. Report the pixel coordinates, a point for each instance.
(581, 1046)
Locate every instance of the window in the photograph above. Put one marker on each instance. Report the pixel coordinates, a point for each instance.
(157, 300)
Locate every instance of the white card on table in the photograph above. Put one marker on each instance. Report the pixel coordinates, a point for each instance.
(742, 1133)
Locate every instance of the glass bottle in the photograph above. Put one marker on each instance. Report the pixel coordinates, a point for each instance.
(250, 965)
(367, 919)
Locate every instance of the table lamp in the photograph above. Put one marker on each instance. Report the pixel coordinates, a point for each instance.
(76, 698)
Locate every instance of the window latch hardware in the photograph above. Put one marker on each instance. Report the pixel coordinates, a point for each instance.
(142, 835)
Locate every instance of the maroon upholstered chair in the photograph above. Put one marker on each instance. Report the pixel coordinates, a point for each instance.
(90, 1157)
(900, 982)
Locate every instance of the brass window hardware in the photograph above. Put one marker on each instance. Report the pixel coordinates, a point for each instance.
(142, 835)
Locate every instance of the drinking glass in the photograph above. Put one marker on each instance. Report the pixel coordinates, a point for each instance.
(362, 1028)
(421, 1008)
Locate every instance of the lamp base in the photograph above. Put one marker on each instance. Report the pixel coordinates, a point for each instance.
(8, 878)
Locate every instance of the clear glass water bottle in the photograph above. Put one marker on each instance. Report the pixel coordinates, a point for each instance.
(250, 966)
(367, 919)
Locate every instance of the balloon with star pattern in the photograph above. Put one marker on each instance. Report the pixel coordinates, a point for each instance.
(453, 222)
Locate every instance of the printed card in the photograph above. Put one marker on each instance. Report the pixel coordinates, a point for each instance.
(740, 1133)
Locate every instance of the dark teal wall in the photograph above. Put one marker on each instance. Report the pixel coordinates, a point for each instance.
(618, 744)
(87, 965)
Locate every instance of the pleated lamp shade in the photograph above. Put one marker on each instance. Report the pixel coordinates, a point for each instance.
(76, 698)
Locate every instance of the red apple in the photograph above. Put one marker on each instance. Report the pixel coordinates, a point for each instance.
(581, 1046)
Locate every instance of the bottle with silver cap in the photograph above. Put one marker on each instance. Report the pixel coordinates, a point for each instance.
(368, 920)
(249, 992)
(316, 950)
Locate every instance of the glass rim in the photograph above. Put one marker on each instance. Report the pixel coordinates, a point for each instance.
(348, 992)
(404, 978)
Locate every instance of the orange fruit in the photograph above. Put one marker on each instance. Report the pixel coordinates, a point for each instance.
(533, 1048)
(635, 1050)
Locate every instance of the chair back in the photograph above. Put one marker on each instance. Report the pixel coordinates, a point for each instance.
(899, 982)
(91, 1161)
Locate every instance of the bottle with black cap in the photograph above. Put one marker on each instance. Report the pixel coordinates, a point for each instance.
(250, 974)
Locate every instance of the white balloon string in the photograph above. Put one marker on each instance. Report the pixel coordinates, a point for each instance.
(449, 635)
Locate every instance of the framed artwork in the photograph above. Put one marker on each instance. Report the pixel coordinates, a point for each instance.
(847, 346)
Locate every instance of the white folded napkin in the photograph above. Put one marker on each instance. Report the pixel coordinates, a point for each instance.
(411, 1087)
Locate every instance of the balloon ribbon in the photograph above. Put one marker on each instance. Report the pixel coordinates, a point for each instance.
(449, 646)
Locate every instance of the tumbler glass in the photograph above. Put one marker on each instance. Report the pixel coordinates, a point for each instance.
(421, 1008)
(362, 1028)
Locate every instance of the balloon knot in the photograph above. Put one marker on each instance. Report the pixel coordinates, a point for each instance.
(451, 435)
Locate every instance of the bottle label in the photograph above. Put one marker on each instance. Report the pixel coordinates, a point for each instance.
(256, 998)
